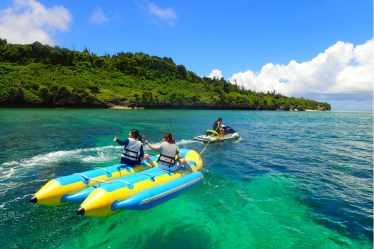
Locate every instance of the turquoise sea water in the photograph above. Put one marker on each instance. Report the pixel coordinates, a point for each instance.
(293, 180)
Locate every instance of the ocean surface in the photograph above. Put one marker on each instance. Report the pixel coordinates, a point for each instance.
(293, 180)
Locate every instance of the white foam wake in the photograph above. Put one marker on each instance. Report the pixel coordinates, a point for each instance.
(183, 142)
(86, 155)
(97, 154)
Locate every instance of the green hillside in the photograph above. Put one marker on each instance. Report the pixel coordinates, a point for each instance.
(45, 76)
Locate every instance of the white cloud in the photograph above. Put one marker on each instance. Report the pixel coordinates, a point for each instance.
(27, 21)
(215, 74)
(166, 15)
(342, 72)
(98, 16)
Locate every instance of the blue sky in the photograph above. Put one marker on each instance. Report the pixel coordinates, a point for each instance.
(316, 49)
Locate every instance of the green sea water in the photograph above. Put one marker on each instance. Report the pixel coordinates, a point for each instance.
(293, 180)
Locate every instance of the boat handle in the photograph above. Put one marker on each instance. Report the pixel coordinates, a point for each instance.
(88, 179)
(106, 171)
(151, 176)
(129, 185)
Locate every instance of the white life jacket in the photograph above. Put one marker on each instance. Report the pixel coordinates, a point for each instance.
(132, 150)
(168, 152)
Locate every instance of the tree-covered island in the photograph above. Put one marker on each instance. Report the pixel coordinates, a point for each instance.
(37, 75)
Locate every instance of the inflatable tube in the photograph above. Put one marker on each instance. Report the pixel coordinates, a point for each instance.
(53, 192)
(80, 196)
(101, 200)
(157, 195)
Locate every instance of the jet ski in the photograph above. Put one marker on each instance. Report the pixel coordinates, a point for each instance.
(212, 136)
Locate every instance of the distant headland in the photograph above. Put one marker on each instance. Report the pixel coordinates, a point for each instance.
(38, 75)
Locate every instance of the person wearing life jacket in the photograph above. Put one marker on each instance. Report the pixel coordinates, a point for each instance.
(132, 148)
(169, 158)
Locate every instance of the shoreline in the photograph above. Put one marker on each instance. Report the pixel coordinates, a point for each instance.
(123, 107)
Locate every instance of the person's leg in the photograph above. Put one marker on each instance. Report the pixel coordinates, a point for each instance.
(162, 167)
(222, 132)
(175, 167)
(149, 160)
(185, 163)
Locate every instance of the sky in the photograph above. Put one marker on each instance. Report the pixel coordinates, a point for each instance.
(316, 49)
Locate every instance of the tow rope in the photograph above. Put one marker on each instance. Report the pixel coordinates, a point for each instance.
(204, 148)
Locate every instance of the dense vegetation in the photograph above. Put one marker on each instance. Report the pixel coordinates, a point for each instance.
(41, 75)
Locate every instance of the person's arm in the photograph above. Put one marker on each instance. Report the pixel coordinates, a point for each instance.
(119, 141)
(151, 146)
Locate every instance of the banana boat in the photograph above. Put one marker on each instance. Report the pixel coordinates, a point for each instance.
(56, 191)
(157, 195)
(142, 190)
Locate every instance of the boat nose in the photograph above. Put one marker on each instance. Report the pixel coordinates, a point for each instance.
(33, 199)
(80, 211)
